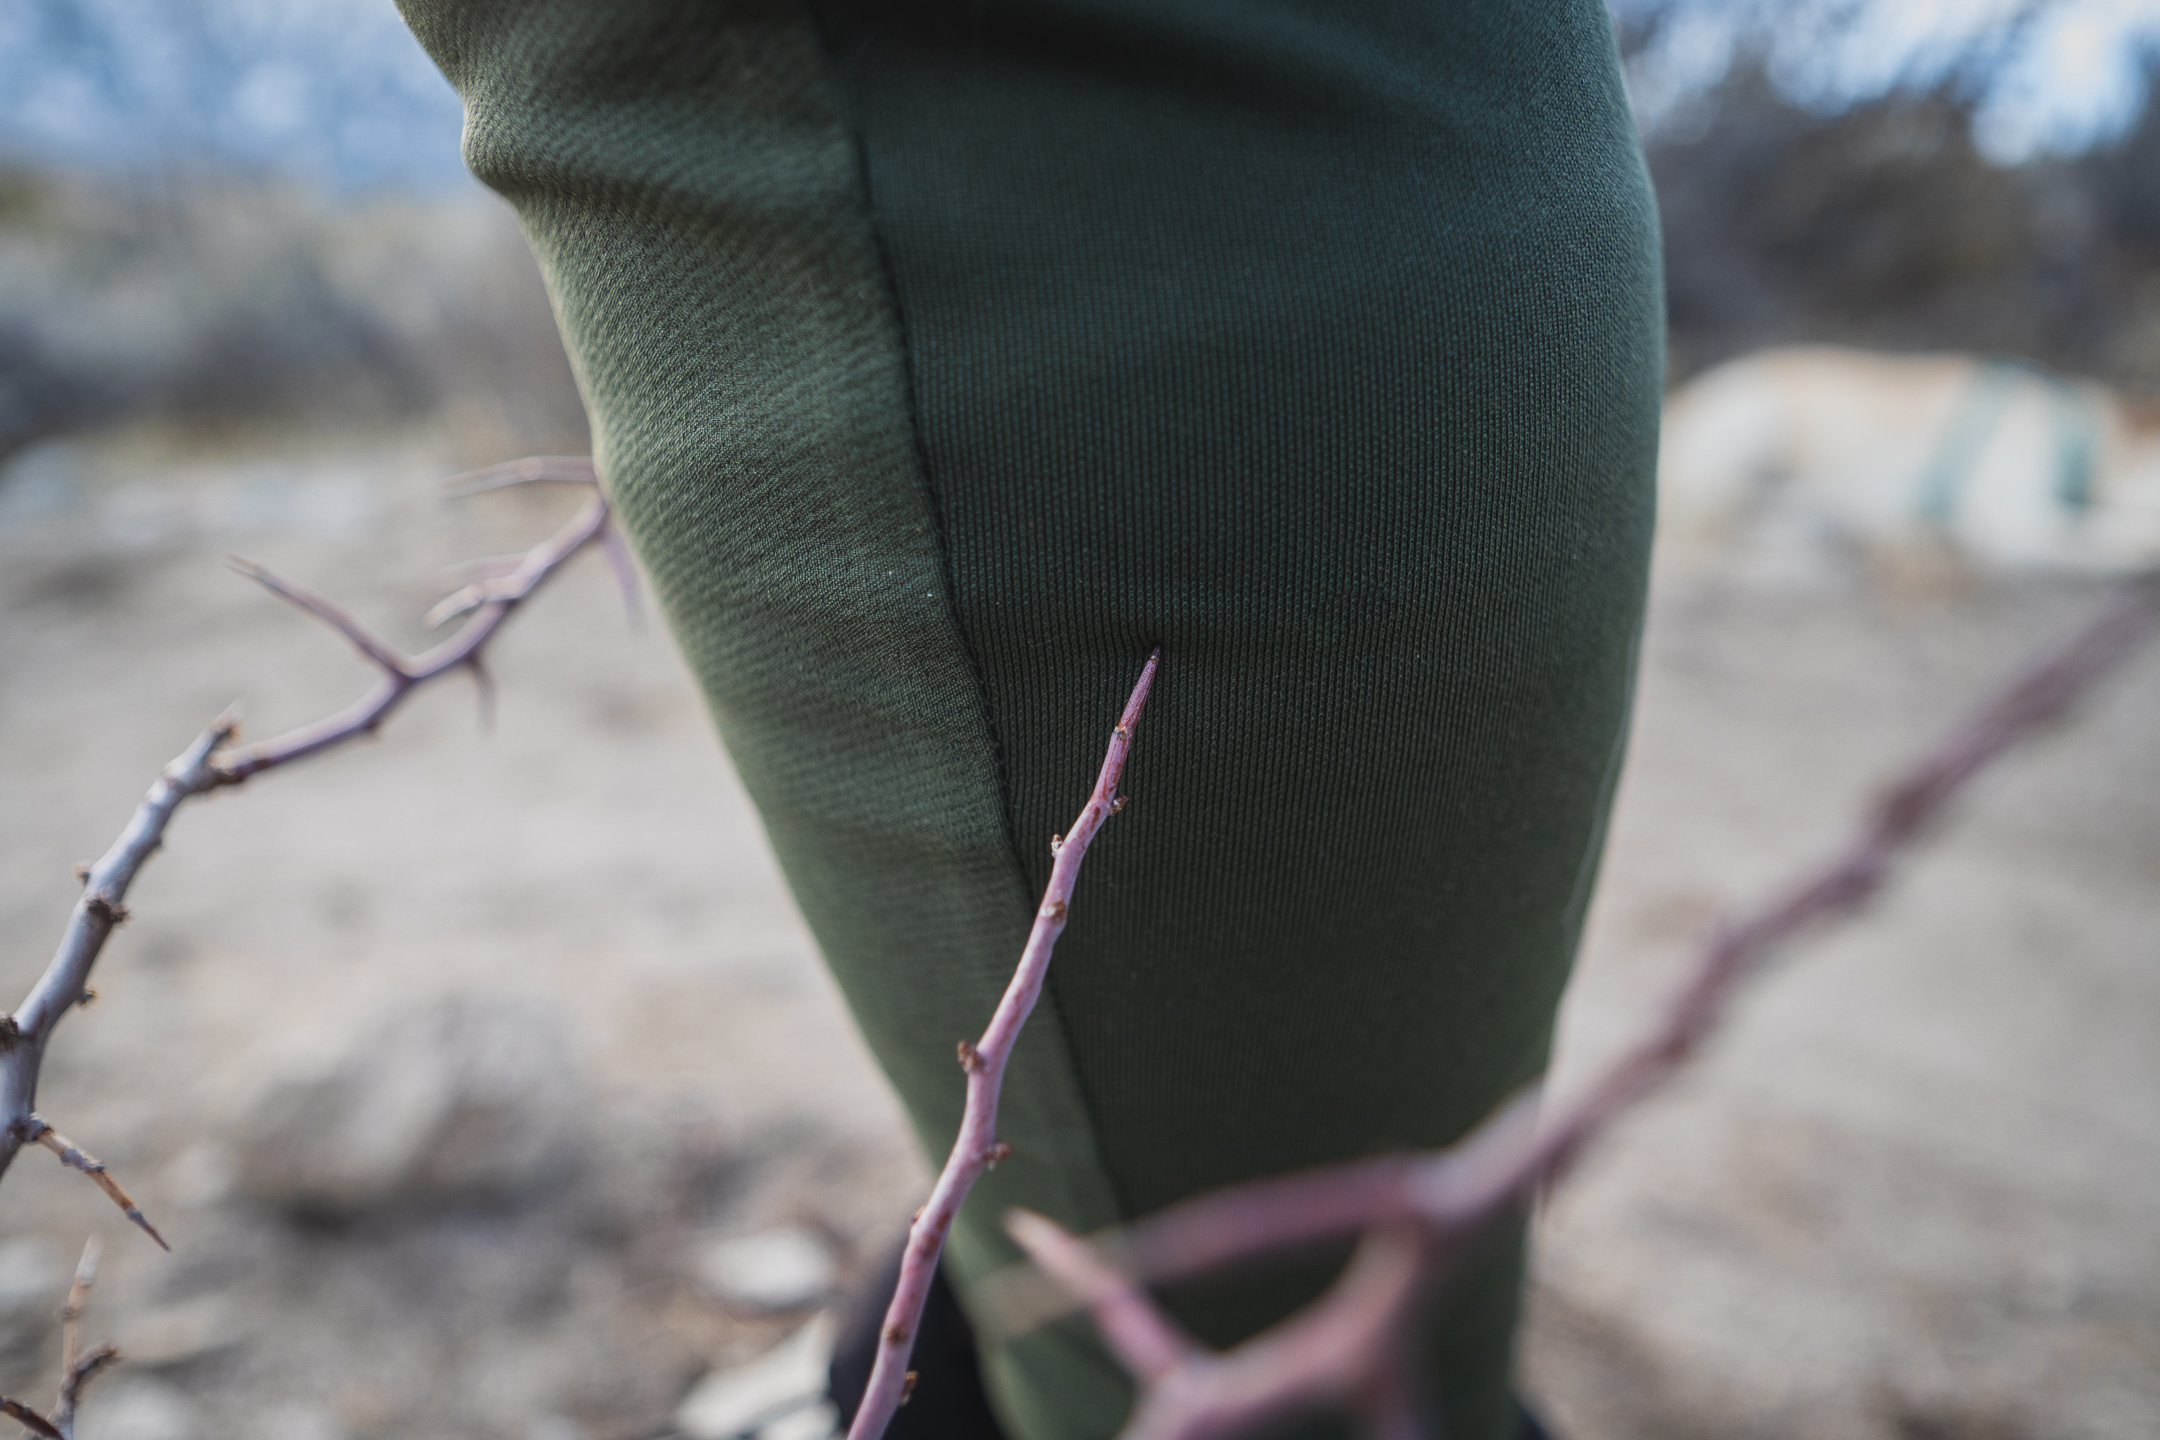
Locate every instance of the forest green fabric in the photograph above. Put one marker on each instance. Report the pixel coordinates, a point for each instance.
(694, 202)
(945, 357)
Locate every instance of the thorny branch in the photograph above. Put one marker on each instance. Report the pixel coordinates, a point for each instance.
(977, 1147)
(213, 762)
(1419, 1214)
(76, 1366)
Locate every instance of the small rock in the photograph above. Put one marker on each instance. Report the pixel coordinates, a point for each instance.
(469, 1096)
(200, 1177)
(776, 1270)
(31, 1274)
(297, 1422)
(727, 1403)
(139, 1410)
(176, 1334)
(41, 480)
(817, 1422)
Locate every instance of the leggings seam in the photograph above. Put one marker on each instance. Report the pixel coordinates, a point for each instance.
(968, 646)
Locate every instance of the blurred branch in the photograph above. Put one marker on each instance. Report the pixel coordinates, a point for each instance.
(212, 763)
(977, 1146)
(76, 1367)
(1421, 1214)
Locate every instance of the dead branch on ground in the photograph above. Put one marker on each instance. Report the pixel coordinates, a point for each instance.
(977, 1146)
(1420, 1215)
(213, 762)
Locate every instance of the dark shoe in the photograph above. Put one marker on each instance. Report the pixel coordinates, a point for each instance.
(1527, 1425)
(947, 1402)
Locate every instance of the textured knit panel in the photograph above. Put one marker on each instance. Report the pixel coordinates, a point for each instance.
(695, 203)
(1320, 342)
(1316, 342)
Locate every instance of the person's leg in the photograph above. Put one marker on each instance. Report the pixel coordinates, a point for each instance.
(946, 1401)
(942, 361)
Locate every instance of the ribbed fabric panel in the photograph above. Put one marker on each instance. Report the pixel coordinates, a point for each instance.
(695, 200)
(1319, 341)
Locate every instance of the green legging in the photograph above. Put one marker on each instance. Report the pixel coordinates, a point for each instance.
(945, 355)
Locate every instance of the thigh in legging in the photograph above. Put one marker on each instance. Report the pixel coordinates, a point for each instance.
(944, 359)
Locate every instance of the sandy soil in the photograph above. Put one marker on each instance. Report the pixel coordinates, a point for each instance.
(1910, 1196)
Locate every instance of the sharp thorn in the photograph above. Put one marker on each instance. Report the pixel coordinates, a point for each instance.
(532, 470)
(625, 568)
(452, 606)
(323, 609)
(29, 1419)
(80, 1374)
(73, 1156)
(484, 687)
(135, 1214)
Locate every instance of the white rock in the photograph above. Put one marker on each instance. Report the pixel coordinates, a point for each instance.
(297, 1422)
(200, 1176)
(818, 1422)
(139, 1410)
(175, 1334)
(727, 1403)
(31, 1274)
(775, 1270)
(469, 1095)
(41, 480)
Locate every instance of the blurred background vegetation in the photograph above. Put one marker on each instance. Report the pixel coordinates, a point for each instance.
(1907, 176)
(222, 212)
(219, 214)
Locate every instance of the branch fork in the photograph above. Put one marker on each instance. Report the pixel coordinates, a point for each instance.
(1419, 1215)
(213, 762)
(77, 1366)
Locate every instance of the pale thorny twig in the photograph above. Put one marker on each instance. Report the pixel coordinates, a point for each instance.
(77, 1367)
(212, 762)
(977, 1146)
(1348, 1350)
